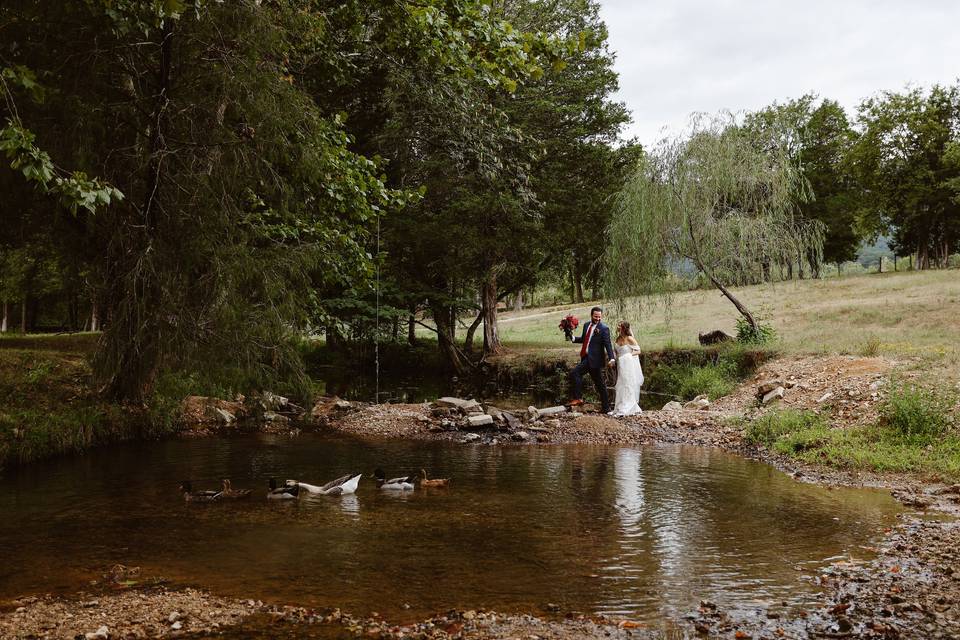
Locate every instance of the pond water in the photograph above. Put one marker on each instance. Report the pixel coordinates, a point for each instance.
(639, 532)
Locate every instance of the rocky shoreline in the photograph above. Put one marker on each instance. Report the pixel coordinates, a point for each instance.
(910, 589)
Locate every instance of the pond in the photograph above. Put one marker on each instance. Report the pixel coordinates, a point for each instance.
(644, 533)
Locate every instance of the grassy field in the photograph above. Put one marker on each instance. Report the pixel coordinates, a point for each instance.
(908, 314)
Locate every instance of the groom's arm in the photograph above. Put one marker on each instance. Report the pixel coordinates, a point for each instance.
(608, 345)
(578, 339)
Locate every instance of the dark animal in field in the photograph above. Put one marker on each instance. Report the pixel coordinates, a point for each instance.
(714, 337)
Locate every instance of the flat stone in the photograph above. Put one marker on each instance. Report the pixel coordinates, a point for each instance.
(512, 421)
(479, 421)
(673, 405)
(470, 437)
(825, 397)
(774, 394)
(521, 435)
(100, 634)
(698, 403)
(467, 406)
(551, 411)
(767, 386)
(495, 412)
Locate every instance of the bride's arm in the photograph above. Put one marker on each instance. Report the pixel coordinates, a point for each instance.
(634, 346)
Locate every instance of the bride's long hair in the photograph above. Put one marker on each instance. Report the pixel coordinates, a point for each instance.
(623, 330)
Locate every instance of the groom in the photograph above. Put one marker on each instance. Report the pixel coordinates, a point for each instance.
(595, 341)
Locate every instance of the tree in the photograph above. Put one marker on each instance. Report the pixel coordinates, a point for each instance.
(902, 160)
(717, 199)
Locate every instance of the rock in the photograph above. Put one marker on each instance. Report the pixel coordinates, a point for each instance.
(825, 397)
(699, 403)
(532, 413)
(512, 421)
(470, 437)
(673, 405)
(876, 384)
(176, 626)
(342, 405)
(774, 394)
(521, 436)
(273, 416)
(481, 420)
(456, 403)
(767, 386)
(790, 384)
(495, 412)
(173, 617)
(224, 416)
(272, 402)
(100, 634)
(551, 411)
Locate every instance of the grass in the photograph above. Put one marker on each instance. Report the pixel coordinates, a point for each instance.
(915, 434)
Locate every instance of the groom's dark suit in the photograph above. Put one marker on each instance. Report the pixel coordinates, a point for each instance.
(593, 361)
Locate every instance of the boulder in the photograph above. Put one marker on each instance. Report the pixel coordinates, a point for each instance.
(512, 421)
(773, 394)
(532, 413)
(673, 405)
(521, 436)
(471, 437)
(224, 417)
(699, 403)
(272, 402)
(466, 406)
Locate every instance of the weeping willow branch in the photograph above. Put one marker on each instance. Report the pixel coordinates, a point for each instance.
(718, 203)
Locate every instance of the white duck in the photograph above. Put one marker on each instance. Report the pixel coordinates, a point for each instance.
(403, 483)
(340, 487)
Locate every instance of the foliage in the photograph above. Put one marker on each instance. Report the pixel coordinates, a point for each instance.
(688, 380)
(903, 160)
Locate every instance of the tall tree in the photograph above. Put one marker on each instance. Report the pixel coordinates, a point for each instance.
(902, 160)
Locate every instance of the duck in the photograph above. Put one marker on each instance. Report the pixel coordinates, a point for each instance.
(436, 482)
(282, 493)
(342, 486)
(198, 496)
(403, 483)
(229, 492)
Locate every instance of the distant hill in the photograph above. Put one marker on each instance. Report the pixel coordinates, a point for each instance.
(869, 254)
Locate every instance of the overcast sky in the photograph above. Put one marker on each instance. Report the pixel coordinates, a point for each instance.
(679, 56)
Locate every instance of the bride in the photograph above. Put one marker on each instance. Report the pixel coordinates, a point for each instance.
(629, 373)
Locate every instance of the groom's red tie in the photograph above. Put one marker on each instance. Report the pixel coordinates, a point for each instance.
(586, 341)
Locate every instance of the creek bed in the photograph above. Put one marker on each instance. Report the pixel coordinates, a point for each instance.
(644, 533)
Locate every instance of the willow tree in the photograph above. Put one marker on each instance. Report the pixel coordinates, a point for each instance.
(717, 203)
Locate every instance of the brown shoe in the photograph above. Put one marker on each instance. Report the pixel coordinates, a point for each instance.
(576, 402)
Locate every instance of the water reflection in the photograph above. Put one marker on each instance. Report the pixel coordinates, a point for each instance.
(637, 532)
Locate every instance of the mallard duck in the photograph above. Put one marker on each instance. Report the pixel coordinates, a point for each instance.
(229, 492)
(197, 496)
(403, 483)
(436, 482)
(282, 493)
(340, 487)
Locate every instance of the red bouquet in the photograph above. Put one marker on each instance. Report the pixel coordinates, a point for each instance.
(568, 324)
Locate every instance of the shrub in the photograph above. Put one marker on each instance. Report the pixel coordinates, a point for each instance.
(870, 347)
(761, 334)
(914, 415)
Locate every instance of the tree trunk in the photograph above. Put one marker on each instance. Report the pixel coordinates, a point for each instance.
(577, 286)
(518, 301)
(23, 316)
(4, 323)
(729, 296)
(411, 328)
(491, 337)
(446, 337)
(895, 262)
(396, 328)
(790, 270)
(94, 318)
(471, 330)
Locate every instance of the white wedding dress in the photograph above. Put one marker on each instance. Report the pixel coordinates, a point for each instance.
(629, 381)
